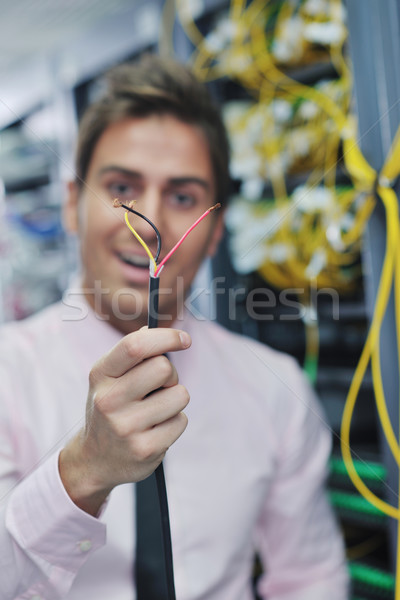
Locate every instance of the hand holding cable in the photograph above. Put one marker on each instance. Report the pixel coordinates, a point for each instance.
(133, 415)
(155, 270)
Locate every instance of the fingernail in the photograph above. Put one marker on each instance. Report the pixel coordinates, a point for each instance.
(185, 339)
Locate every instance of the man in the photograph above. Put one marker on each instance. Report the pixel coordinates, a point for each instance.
(247, 474)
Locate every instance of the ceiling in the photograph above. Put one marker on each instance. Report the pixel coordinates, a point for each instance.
(41, 27)
(48, 44)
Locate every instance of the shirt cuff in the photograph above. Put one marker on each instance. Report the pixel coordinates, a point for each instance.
(45, 522)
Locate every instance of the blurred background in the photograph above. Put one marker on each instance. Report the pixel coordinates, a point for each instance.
(306, 87)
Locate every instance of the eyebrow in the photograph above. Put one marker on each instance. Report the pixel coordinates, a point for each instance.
(173, 180)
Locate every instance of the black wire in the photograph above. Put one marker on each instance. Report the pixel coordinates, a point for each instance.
(166, 531)
(135, 212)
(152, 322)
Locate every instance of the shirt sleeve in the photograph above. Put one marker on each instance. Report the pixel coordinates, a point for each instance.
(299, 542)
(47, 536)
(44, 537)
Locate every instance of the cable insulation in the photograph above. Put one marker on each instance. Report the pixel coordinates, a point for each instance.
(152, 323)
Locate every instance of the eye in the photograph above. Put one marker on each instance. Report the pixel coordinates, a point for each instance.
(123, 190)
(181, 200)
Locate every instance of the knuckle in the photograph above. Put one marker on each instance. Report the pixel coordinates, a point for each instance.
(102, 401)
(105, 399)
(164, 367)
(183, 395)
(94, 375)
(121, 428)
(183, 420)
(138, 419)
(134, 348)
(143, 449)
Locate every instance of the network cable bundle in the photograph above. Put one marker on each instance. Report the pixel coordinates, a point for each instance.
(292, 220)
(305, 191)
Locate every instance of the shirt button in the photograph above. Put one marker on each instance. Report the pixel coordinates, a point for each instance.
(85, 545)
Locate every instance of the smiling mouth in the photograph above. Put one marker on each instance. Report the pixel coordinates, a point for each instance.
(134, 260)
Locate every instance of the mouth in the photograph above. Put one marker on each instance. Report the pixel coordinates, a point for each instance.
(134, 260)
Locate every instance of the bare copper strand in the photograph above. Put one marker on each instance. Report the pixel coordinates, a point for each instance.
(215, 207)
(117, 203)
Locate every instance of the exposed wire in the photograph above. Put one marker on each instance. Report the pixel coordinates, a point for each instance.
(117, 203)
(142, 242)
(171, 252)
(157, 267)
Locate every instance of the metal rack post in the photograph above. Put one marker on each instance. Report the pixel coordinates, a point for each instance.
(374, 29)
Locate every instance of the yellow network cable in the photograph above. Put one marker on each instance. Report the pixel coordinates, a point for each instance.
(381, 405)
(248, 59)
(383, 294)
(364, 175)
(266, 82)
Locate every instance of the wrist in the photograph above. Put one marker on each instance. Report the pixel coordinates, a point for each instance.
(77, 478)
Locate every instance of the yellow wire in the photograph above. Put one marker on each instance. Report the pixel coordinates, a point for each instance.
(381, 403)
(166, 37)
(142, 242)
(189, 25)
(375, 359)
(265, 82)
(390, 170)
(236, 9)
(397, 313)
(258, 78)
(393, 234)
(390, 203)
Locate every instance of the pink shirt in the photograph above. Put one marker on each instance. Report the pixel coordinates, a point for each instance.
(247, 473)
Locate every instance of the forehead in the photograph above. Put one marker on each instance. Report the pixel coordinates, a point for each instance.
(156, 147)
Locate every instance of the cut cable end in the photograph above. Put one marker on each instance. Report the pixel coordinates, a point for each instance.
(215, 207)
(117, 203)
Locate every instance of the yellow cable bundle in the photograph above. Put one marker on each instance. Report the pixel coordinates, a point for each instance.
(241, 47)
(365, 176)
(245, 54)
(243, 51)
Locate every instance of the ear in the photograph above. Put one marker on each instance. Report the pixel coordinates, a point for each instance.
(216, 234)
(70, 210)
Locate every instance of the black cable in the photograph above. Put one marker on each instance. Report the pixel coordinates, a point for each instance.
(152, 322)
(135, 212)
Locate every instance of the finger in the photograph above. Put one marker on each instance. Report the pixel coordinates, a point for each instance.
(160, 407)
(138, 346)
(166, 433)
(148, 376)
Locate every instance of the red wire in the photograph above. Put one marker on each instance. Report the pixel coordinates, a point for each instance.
(170, 253)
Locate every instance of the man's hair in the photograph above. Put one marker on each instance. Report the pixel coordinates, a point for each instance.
(155, 86)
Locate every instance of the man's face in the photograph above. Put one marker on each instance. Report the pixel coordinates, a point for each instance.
(164, 165)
